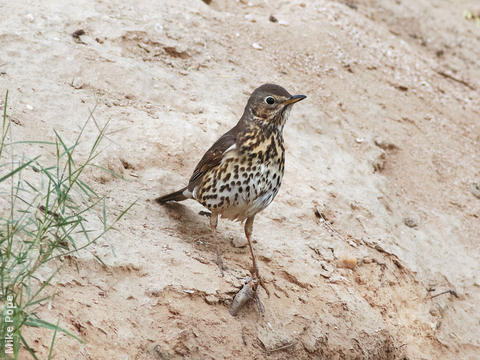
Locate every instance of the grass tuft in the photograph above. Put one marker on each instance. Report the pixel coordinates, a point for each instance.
(43, 219)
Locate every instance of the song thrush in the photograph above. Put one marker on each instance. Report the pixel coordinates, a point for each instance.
(241, 173)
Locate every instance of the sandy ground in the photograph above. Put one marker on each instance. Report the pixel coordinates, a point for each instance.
(376, 212)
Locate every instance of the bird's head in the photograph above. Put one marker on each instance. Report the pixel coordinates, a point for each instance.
(269, 105)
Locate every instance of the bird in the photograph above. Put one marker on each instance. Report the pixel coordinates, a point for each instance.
(241, 173)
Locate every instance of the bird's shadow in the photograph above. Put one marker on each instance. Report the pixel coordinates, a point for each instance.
(193, 227)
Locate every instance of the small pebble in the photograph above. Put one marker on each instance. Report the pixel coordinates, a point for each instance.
(385, 145)
(29, 107)
(273, 19)
(410, 222)
(239, 242)
(158, 27)
(347, 262)
(211, 300)
(77, 33)
(155, 292)
(77, 83)
(257, 46)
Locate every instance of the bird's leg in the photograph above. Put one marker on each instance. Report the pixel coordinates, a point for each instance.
(213, 225)
(254, 271)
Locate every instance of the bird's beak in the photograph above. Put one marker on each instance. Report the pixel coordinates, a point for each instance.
(294, 99)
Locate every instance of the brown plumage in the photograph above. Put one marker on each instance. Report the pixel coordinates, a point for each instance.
(241, 173)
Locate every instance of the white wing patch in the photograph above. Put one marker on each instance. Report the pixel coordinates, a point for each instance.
(194, 193)
(187, 193)
(225, 153)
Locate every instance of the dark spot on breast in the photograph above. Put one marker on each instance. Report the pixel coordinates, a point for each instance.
(240, 189)
(242, 169)
(235, 176)
(232, 183)
(272, 149)
(227, 177)
(239, 183)
(247, 189)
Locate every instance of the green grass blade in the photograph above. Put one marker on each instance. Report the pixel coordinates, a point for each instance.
(20, 168)
(34, 322)
(50, 353)
(30, 142)
(29, 349)
(104, 220)
(5, 125)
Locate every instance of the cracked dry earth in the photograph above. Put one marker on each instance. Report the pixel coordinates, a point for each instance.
(379, 206)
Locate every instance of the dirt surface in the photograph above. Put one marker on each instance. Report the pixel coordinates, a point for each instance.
(377, 211)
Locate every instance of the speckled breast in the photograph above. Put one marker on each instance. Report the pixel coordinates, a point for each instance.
(247, 179)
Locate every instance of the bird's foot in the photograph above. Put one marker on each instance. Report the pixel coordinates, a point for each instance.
(257, 279)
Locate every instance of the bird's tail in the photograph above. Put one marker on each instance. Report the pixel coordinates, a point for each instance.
(179, 195)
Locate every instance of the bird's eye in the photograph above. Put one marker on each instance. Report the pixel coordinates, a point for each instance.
(270, 100)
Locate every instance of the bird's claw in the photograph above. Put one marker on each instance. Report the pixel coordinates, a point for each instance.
(257, 280)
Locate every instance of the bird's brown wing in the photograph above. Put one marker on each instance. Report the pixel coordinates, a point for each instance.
(213, 156)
